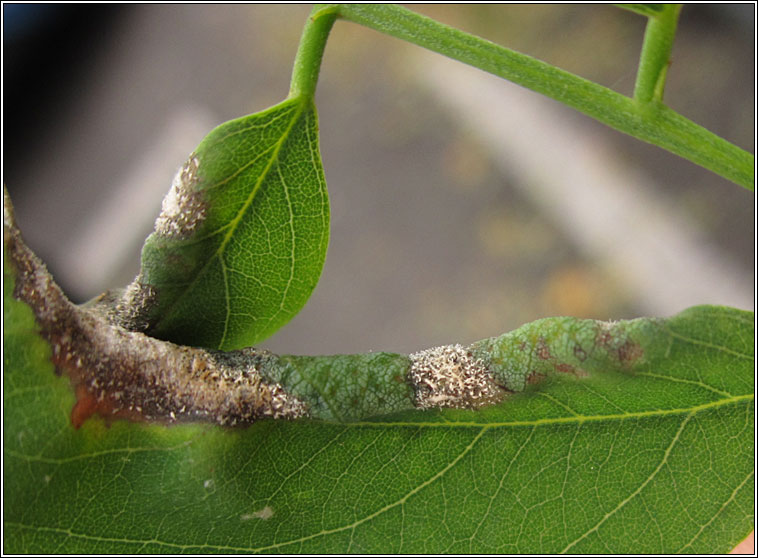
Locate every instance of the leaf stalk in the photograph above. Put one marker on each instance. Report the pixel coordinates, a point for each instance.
(310, 52)
(651, 122)
(656, 54)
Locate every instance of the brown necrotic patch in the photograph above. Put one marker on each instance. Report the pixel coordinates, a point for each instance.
(535, 377)
(130, 375)
(542, 350)
(613, 338)
(580, 353)
(450, 376)
(629, 353)
(126, 374)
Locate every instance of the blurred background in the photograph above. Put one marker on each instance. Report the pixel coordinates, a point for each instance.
(462, 205)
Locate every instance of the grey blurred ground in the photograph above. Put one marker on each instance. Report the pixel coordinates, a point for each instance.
(433, 239)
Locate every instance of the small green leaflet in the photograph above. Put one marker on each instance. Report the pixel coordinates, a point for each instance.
(242, 238)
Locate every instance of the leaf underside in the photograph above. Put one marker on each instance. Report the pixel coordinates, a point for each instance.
(658, 461)
(253, 259)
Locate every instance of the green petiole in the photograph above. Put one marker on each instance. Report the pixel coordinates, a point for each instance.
(655, 56)
(643, 117)
(311, 51)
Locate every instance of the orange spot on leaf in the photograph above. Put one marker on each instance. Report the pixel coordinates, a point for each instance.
(86, 405)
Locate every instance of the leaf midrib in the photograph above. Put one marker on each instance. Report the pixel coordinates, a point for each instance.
(274, 157)
(537, 422)
(579, 419)
(559, 420)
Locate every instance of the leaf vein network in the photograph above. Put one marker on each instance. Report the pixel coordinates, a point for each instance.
(635, 492)
(731, 498)
(388, 507)
(702, 343)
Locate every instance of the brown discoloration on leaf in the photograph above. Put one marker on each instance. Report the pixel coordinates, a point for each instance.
(126, 374)
(89, 404)
(535, 377)
(543, 351)
(604, 338)
(86, 405)
(618, 345)
(580, 353)
(630, 352)
(132, 375)
(565, 368)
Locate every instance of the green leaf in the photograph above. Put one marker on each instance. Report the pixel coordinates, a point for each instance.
(242, 239)
(658, 459)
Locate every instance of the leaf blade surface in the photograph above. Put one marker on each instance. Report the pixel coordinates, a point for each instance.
(242, 239)
(597, 464)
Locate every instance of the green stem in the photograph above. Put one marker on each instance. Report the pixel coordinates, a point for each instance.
(650, 122)
(311, 51)
(656, 52)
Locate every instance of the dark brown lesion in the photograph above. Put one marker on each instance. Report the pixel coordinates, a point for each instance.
(542, 349)
(543, 352)
(603, 338)
(619, 346)
(580, 353)
(118, 373)
(131, 375)
(629, 353)
(565, 368)
(535, 377)
(89, 404)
